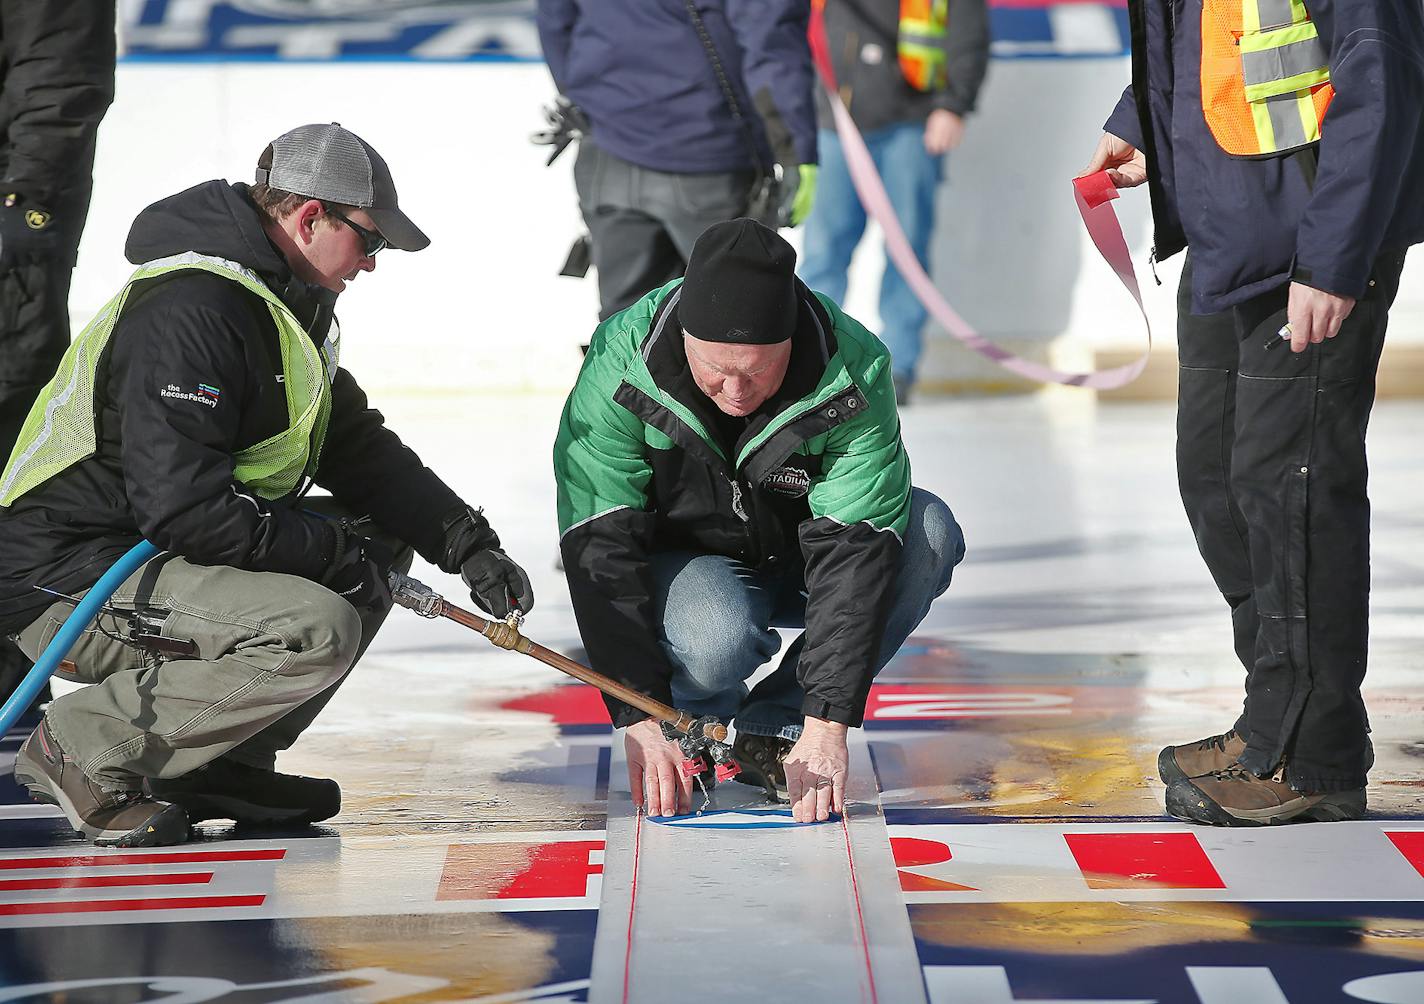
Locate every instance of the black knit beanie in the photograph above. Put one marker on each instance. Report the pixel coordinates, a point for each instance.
(740, 285)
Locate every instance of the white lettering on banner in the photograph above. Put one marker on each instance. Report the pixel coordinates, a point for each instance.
(1213, 985)
(324, 31)
(306, 41)
(1389, 988)
(990, 985)
(932, 705)
(184, 24)
(377, 987)
(465, 38)
(1233, 984)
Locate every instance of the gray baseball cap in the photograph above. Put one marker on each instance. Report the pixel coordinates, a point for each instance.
(333, 164)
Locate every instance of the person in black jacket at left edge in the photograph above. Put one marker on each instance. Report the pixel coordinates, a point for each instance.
(56, 83)
(195, 411)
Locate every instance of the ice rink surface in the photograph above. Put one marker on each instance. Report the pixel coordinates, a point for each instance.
(1006, 842)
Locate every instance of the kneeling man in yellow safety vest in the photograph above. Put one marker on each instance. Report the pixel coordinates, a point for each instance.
(196, 411)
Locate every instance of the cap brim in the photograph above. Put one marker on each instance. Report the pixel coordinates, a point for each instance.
(399, 232)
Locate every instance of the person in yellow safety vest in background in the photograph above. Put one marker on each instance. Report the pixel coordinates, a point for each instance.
(909, 71)
(1282, 144)
(195, 411)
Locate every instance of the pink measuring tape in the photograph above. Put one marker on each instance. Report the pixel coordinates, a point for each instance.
(1092, 193)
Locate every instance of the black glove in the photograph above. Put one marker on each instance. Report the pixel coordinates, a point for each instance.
(358, 569)
(497, 584)
(27, 230)
(567, 122)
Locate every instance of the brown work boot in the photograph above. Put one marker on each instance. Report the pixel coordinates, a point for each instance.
(759, 758)
(1236, 797)
(1177, 763)
(110, 817)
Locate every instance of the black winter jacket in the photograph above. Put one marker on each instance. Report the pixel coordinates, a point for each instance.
(1255, 224)
(164, 469)
(862, 36)
(57, 69)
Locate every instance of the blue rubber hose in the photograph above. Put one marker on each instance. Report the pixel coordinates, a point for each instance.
(69, 632)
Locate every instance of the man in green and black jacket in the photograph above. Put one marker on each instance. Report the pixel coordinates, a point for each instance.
(730, 461)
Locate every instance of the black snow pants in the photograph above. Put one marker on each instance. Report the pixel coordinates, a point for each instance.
(34, 334)
(1272, 470)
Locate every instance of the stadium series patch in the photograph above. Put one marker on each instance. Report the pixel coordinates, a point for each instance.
(789, 481)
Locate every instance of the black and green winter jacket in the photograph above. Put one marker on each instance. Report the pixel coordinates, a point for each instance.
(817, 485)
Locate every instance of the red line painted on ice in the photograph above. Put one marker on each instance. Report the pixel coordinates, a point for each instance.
(859, 914)
(117, 905)
(632, 899)
(105, 881)
(160, 857)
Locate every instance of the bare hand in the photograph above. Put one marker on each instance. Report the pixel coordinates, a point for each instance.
(655, 774)
(944, 131)
(1125, 164)
(1315, 315)
(816, 771)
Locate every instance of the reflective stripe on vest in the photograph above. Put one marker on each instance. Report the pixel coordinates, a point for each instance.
(923, 24)
(59, 430)
(1265, 76)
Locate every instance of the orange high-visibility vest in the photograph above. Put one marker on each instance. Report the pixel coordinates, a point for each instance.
(923, 24)
(1265, 76)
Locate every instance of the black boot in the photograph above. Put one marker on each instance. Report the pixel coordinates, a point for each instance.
(226, 789)
(759, 758)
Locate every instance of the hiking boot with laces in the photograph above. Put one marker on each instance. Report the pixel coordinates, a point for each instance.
(111, 817)
(1236, 797)
(1177, 763)
(226, 789)
(759, 758)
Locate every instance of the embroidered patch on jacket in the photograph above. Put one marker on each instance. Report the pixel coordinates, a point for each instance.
(790, 481)
(205, 394)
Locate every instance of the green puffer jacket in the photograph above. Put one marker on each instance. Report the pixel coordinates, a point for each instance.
(819, 487)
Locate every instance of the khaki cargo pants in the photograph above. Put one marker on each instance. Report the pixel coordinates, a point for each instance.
(272, 650)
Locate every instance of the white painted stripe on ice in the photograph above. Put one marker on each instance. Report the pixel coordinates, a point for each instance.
(534, 993)
(31, 811)
(1033, 863)
(814, 907)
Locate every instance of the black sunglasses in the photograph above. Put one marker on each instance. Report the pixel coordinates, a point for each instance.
(371, 241)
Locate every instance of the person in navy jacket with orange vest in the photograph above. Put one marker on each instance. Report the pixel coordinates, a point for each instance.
(1282, 144)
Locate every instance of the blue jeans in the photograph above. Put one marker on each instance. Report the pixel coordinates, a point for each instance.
(837, 222)
(717, 617)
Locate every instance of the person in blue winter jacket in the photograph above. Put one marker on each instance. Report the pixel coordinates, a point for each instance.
(688, 115)
(1282, 144)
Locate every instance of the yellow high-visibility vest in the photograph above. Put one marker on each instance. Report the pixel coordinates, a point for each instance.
(1265, 76)
(59, 430)
(923, 24)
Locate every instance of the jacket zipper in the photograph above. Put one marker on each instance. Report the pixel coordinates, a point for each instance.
(1152, 263)
(751, 532)
(737, 498)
